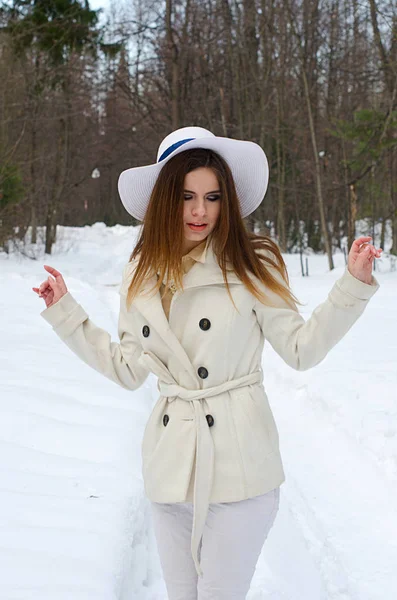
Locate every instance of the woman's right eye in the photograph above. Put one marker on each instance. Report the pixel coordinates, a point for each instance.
(210, 198)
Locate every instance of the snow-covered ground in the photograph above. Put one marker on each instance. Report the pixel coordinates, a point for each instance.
(74, 520)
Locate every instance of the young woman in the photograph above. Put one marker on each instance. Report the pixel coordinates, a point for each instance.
(199, 296)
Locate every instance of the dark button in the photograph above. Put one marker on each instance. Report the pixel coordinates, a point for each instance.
(165, 420)
(205, 324)
(145, 331)
(203, 373)
(210, 420)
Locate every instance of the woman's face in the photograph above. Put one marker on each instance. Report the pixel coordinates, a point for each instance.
(202, 204)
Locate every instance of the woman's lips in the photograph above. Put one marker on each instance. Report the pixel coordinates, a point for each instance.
(197, 227)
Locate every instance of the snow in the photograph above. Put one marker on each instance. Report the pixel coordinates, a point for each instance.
(74, 519)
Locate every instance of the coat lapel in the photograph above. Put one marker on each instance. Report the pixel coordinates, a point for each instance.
(200, 274)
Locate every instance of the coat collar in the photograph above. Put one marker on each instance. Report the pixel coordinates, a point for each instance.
(202, 273)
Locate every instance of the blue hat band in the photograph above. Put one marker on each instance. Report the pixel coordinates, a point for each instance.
(173, 147)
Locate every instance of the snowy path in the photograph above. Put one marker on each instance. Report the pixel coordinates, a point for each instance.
(337, 425)
(74, 520)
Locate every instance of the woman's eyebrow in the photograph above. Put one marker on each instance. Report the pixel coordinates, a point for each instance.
(213, 191)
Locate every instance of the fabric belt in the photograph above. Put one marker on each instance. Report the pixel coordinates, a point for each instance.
(204, 472)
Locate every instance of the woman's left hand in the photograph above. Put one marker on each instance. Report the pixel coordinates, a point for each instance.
(361, 257)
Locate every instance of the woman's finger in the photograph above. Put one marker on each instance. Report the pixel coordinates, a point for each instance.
(374, 251)
(55, 289)
(44, 285)
(53, 271)
(359, 242)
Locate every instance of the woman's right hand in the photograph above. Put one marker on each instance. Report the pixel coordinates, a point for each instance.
(51, 289)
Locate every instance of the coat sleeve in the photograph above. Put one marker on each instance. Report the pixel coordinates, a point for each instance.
(116, 361)
(303, 344)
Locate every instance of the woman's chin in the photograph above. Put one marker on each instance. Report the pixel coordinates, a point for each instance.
(193, 238)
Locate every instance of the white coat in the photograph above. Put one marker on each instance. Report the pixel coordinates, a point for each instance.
(211, 436)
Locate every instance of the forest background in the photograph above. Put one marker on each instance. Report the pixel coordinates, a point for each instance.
(84, 96)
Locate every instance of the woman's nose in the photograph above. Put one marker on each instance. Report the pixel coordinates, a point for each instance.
(199, 209)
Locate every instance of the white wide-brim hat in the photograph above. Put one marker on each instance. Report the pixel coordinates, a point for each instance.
(247, 162)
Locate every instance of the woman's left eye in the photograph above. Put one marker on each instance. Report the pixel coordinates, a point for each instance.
(210, 198)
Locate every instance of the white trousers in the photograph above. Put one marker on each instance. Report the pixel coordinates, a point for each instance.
(232, 541)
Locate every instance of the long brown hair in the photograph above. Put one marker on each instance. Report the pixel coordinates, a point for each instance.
(161, 240)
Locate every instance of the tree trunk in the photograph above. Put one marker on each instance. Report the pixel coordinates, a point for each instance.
(386, 60)
(280, 150)
(33, 154)
(393, 200)
(353, 215)
(32, 189)
(61, 167)
(174, 60)
(320, 200)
